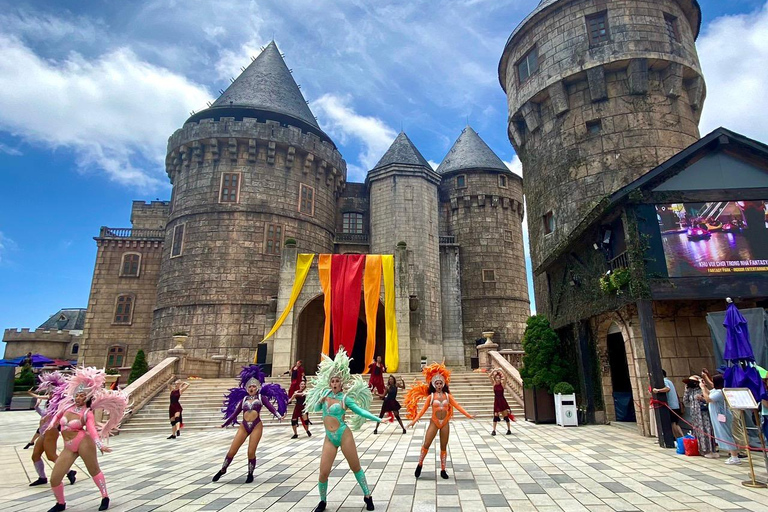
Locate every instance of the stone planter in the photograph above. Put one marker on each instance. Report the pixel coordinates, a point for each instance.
(488, 335)
(179, 341)
(110, 379)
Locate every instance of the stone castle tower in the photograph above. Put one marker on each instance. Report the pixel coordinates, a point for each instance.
(247, 173)
(598, 93)
(255, 169)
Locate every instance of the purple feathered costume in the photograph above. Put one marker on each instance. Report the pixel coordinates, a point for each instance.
(237, 400)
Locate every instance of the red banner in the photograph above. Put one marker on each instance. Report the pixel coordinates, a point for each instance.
(346, 282)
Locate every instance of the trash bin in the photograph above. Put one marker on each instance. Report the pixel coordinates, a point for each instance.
(566, 411)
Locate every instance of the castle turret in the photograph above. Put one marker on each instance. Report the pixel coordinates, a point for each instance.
(482, 201)
(598, 93)
(404, 205)
(249, 172)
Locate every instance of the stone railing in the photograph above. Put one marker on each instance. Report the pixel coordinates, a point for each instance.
(447, 239)
(356, 238)
(515, 357)
(107, 232)
(149, 385)
(513, 380)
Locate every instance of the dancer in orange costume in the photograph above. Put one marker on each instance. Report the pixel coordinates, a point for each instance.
(442, 403)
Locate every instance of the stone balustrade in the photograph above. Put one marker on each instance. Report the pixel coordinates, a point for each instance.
(515, 357)
(146, 387)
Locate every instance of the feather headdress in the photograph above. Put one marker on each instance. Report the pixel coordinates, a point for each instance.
(115, 404)
(86, 380)
(354, 386)
(55, 385)
(420, 389)
(253, 375)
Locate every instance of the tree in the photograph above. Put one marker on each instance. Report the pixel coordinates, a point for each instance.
(25, 379)
(544, 362)
(139, 367)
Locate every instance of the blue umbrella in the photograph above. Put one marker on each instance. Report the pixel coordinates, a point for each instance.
(37, 360)
(742, 372)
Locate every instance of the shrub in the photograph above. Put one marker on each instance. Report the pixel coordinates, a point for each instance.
(563, 388)
(620, 278)
(544, 362)
(25, 380)
(139, 367)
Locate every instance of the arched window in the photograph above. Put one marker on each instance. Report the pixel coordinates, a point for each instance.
(123, 309)
(352, 222)
(130, 265)
(115, 356)
(75, 349)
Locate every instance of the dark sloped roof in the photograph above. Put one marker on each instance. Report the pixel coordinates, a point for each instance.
(267, 85)
(65, 320)
(470, 152)
(402, 151)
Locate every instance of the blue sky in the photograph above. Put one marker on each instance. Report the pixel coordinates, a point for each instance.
(90, 92)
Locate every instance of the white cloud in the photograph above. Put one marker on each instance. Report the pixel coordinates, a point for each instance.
(6, 244)
(112, 111)
(41, 26)
(434, 164)
(342, 121)
(231, 62)
(734, 58)
(515, 165)
(9, 150)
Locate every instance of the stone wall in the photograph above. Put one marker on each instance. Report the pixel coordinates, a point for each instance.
(152, 215)
(592, 119)
(100, 331)
(51, 344)
(404, 207)
(486, 220)
(219, 289)
(450, 304)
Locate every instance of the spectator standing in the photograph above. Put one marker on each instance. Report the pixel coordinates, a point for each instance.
(720, 415)
(698, 411)
(674, 404)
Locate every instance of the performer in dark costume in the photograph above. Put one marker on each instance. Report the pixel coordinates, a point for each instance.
(175, 409)
(297, 376)
(391, 405)
(500, 405)
(248, 398)
(299, 413)
(376, 381)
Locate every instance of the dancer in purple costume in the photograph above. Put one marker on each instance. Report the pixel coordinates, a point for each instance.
(248, 398)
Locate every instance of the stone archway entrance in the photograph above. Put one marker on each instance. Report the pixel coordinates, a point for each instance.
(620, 377)
(309, 336)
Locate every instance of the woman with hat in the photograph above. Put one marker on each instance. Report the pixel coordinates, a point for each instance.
(698, 411)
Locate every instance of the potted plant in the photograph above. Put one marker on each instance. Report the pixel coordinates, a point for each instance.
(290, 242)
(544, 366)
(112, 374)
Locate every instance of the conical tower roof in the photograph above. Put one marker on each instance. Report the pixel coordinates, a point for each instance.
(264, 90)
(470, 152)
(403, 152)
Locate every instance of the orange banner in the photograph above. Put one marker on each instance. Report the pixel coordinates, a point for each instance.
(324, 271)
(371, 290)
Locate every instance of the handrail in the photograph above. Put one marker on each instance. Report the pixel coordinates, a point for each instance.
(515, 357)
(513, 379)
(149, 385)
(361, 238)
(447, 239)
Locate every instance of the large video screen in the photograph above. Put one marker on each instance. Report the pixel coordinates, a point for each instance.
(720, 237)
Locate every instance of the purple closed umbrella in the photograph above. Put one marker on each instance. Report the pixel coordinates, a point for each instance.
(741, 372)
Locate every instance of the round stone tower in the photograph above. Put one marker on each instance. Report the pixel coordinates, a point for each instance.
(482, 201)
(599, 93)
(248, 173)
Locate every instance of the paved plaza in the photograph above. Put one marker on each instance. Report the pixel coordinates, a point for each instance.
(545, 468)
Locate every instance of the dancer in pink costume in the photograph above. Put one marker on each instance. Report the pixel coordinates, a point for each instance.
(84, 394)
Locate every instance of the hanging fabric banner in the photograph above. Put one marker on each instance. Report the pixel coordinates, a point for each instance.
(324, 271)
(346, 280)
(392, 356)
(371, 290)
(303, 262)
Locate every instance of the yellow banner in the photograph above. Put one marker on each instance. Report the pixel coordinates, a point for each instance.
(303, 262)
(324, 271)
(392, 357)
(371, 289)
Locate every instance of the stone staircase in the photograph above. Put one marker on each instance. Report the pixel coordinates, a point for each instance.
(203, 399)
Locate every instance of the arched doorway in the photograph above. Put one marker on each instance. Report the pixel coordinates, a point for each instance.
(309, 336)
(620, 381)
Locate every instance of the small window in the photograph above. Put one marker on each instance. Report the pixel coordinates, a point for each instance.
(123, 309)
(672, 31)
(352, 223)
(597, 28)
(173, 199)
(274, 239)
(461, 181)
(306, 200)
(75, 349)
(130, 266)
(528, 65)
(229, 191)
(177, 246)
(502, 181)
(549, 222)
(594, 127)
(489, 275)
(115, 357)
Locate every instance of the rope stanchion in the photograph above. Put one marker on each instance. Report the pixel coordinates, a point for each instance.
(657, 404)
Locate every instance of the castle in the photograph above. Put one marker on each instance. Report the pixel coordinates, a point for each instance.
(256, 180)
